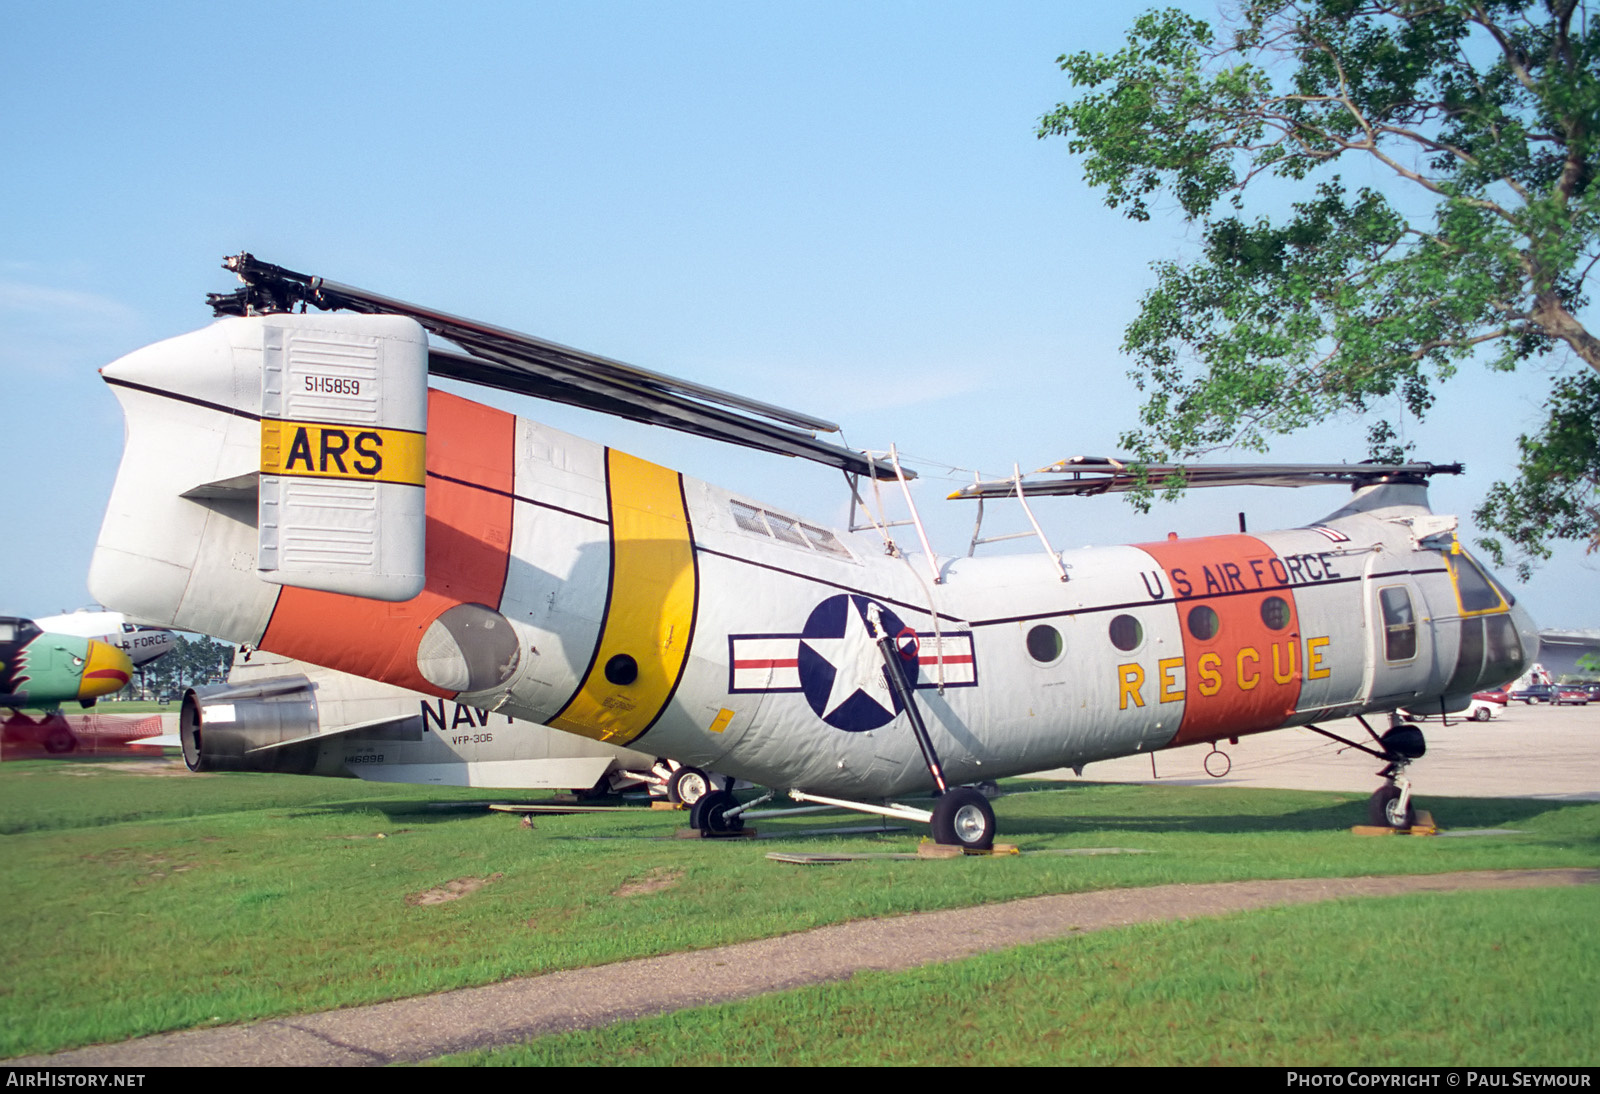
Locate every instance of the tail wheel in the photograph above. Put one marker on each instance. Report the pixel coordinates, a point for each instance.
(687, 786)
(963, 818)
(1383, 808)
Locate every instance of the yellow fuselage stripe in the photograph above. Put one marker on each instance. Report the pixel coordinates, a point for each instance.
(324, 451)
(650, 609)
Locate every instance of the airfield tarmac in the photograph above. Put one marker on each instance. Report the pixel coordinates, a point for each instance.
(1524, 752)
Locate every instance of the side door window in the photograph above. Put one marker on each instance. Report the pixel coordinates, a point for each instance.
(1399, 623)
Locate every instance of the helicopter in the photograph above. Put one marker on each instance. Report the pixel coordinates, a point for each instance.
(291, 482)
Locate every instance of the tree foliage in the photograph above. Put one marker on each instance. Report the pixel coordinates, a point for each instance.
(1425, 171)
(190, 661)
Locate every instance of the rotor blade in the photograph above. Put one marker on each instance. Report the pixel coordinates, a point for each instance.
(639, 404)
(278, 288)
(510, 361)
(1088, 475)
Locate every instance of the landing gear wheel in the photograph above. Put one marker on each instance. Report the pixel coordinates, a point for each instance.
(1383, 808)
(710, 814)
(963, 818)
(687, 786)
(60, 741)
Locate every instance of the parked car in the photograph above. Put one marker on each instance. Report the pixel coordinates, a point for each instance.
(1570, 695)
(1534, 693)
(1479, 710)
(1498, 696)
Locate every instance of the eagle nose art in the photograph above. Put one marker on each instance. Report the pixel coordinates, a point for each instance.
(106, 669)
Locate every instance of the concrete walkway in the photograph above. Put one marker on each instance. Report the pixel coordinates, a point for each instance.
(518, 1010)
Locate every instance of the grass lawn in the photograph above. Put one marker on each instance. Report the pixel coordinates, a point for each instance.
(147, 902)
(1481, 978)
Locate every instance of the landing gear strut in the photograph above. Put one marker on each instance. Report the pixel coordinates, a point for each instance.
(1390, 805)
(961, 817)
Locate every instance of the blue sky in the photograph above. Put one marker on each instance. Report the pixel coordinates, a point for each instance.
(839, 207)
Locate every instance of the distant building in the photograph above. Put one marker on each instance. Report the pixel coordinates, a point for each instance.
(1560, 650)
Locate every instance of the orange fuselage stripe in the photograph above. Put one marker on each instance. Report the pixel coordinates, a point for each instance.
(1247, 678)
(468, 540)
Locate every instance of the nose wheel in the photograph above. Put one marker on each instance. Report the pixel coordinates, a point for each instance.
(1390, 805)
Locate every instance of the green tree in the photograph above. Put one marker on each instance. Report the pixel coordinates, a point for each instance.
(190, 661)
(1464, 224)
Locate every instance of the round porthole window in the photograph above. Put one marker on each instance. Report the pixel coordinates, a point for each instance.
(1044, 644)
(1126, 633)
(1203, 623)
(622, 670)
(1275, 612)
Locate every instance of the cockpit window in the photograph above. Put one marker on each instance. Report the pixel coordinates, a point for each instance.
(1505, 655)
(1473, 588)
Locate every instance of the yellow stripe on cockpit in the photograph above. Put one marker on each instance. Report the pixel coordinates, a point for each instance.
(650, 608)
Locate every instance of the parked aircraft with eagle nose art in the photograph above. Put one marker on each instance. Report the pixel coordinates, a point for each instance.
(141, 644)
(40, 668)
(291, 482)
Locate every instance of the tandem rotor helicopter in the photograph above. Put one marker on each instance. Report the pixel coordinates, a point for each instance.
(291, 482)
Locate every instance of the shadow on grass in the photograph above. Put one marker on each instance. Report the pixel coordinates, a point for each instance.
(442, 811)
(1048, 809)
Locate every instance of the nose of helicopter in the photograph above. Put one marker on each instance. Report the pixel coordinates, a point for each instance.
(106, 669)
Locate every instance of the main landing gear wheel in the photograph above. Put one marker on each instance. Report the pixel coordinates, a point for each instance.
(963, 818)
(710, 814)
(59, 741)
(687, 786)
(1383, 808)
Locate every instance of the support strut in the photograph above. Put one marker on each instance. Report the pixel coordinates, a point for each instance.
(903, 690)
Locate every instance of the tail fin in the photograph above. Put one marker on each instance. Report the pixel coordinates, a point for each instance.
(291, 446)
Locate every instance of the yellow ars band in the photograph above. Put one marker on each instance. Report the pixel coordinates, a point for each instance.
(644, 638)
(323, 451)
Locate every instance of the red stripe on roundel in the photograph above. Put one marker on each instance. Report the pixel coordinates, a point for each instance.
(1247, 677)
(468, 542)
